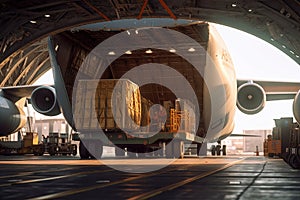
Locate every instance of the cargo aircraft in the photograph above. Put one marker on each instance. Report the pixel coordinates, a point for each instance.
(216, 83)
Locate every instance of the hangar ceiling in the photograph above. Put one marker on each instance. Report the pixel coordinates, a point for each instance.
(25, 24)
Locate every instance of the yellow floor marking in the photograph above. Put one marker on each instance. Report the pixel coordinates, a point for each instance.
(156, 192)
(89, 188)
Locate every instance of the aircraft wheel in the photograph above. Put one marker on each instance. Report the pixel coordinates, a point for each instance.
(218, 149)
(83, 152)
(224, 151)
(198, 149)
(51, 151)
(213, 150)
(287, 157)
(294, 161)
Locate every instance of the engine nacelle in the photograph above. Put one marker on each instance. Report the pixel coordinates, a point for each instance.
(12, 118)
(296, 107)
(44, 101)
(251, 98)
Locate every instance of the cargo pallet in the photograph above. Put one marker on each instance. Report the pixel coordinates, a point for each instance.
(114, 105)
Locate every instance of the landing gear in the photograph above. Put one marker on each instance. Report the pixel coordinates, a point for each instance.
(94, 149)
(216, 149)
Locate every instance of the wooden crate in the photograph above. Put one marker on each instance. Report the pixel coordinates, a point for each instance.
(108, 104)
(188, 115)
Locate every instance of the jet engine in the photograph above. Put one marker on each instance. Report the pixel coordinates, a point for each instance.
(12, 118)
(296, 107)
(251, 98)
(44, 101)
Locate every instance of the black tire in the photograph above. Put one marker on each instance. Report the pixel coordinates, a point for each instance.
(51, 151)
(213, 150)
(224, 150)
(218, 150)
(83, 152)
(292, 160)
(198, 149)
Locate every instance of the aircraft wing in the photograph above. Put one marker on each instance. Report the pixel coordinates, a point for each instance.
(276, 90)
(15, 93)
(19, 91)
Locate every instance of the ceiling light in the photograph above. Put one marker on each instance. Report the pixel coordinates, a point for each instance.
(283, 46)
(32, 21)
(172, 50)
(136, 31)
(250, 10)
(111, 53)
(128, 52)
(292, 52)
(47, 15)
(191, 49)
(148, 51)
(272, 39)
(297, 56)
(56, 47)
(234, 5)
(234, 182)
(128, 32)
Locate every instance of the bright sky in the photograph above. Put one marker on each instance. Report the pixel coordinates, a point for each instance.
(254, 59)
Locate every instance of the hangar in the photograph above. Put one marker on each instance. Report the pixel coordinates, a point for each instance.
(24, 26)
(24, 58)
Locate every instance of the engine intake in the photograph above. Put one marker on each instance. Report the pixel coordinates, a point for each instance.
(12, 118)
(44, 101)
(251, 98)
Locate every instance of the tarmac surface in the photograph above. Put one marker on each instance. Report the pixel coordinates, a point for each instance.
(231, 177)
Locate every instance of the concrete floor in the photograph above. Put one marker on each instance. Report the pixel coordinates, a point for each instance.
(25, 177)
